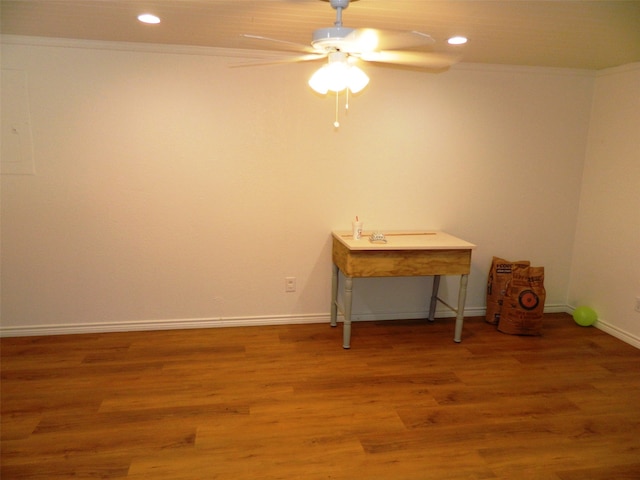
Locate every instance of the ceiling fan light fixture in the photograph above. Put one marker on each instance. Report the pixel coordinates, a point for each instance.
(337, 75)
(357, 79)
(319, 82)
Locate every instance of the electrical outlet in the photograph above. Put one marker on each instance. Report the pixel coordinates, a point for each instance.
(290, 284)
(637, 304)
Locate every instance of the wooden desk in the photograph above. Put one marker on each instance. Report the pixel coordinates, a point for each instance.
(406, 254)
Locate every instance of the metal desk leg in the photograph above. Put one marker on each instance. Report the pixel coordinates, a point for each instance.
(334, 295)
(462, 295)
(434, 298)
(346, 333)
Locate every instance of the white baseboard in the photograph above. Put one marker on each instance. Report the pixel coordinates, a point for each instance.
(170, 324)
(220, 322)
(191, 323)
(626, 337)
(606, 327)
(440, 313)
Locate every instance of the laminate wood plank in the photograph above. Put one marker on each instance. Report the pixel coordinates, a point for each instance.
(561, 455)
(619, 472)
(93, 438)
(59, 468)
(14, 426)
(421, 458)
(286, 402)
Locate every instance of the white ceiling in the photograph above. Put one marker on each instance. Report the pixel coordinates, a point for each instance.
(551, 33)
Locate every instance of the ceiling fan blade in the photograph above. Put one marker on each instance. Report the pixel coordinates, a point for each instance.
(427, 60)
(373, 39)
(284, 44)
(276, 60)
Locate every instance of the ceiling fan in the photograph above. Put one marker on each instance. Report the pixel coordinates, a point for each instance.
(344, 46)
(368, 44)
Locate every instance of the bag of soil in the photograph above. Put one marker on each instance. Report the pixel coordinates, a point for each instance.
(523, 304)
(499, 277)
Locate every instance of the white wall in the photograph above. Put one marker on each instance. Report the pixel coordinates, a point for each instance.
(171, 188)
(605, 274)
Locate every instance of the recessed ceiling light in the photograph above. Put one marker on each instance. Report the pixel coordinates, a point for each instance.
(457, 40)
(148, 18)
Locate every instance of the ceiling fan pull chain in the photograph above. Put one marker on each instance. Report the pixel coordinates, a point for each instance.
(337, 123)
(346, 105)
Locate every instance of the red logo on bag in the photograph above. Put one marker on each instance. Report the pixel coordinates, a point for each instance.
(528, 299)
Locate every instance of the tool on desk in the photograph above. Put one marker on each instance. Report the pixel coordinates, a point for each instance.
(377, 237)
(404, 234)
(395, 234)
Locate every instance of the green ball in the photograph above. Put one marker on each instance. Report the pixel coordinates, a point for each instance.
(585, 316)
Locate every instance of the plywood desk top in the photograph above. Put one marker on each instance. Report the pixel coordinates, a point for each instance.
(404, 240)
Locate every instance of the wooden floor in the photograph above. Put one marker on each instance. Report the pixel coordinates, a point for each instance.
(287, 402)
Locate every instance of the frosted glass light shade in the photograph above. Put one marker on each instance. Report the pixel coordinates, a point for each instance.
(318, 81)
(357, 79)
(338, 75)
